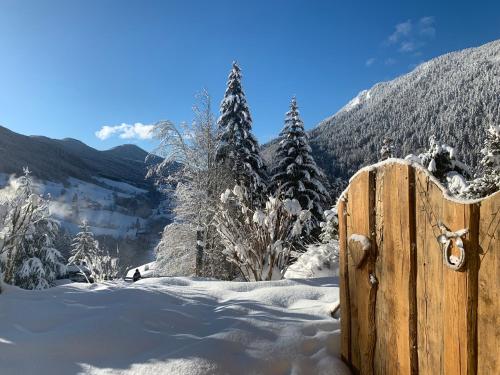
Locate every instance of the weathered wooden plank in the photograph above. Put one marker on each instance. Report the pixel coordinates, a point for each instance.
(345, 318)
(354, 355)
(460, 293)
(360, 221)
(430, 319)
(488, 314)
(395, 271)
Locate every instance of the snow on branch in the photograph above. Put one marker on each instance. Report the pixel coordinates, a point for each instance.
(259, 242)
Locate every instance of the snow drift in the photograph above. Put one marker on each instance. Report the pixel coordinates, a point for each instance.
(172, 326)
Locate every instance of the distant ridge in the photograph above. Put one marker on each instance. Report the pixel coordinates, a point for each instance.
(56, 160)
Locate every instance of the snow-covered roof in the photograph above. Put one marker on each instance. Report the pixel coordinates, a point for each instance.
(146, 270)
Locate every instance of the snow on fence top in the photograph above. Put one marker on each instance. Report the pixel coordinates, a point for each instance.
(380, 165)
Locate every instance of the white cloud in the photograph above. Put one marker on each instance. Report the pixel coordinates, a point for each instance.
(390, 61)
(370, 61)
(403, 29)
(412, 35)
(408, 47)
(426, 27)
(126, 131)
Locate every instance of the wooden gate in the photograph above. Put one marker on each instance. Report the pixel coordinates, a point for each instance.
(410, 304)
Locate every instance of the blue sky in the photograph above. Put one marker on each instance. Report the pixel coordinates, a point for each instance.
(68, 67)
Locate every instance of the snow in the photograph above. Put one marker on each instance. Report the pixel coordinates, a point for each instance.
(172, 326)
(318, 261)
(456, 183)
(363, 240)
(122, 186)
(446, 193)
(146, 270)
(356, 101)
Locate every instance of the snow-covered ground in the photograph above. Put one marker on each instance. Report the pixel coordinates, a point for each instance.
(172, 326)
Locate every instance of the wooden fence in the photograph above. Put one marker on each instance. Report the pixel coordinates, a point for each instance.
(408, 304)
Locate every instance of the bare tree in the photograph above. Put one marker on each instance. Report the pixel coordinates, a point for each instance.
(191, 174)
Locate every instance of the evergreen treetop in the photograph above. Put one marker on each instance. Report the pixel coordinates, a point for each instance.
(296, 174)
(237, 147)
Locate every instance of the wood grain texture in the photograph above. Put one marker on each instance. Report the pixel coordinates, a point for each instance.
(393, 270)
(460, 294)
(345, 318)
(361, 292)
(418, 316)
(430, 294)
(488, 313)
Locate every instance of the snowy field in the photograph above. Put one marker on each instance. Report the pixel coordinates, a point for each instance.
(172, 326)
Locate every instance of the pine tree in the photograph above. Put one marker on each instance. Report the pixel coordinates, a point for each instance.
(27, 253)
(387, 150)
(489, 182)
(237, 147)
(85, 249)
(296, 175)
(440, 160)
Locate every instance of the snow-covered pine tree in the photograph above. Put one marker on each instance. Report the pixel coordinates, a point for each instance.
(296, 175)
(27, 254)
(237, 148)
(387, 149)
(85, 249)
(330, 227)
(489, 182)
(440, 159)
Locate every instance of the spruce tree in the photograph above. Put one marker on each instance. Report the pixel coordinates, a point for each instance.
(296, 175)
(237, 148)
(85, 249)
(28, 256)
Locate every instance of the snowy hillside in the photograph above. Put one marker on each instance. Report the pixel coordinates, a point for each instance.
(106, 188)
(119, 214)
(172, 326)
(451, 96)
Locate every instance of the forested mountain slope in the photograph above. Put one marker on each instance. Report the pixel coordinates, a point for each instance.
(451, 96)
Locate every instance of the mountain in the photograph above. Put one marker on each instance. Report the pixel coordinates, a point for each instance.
(106, 188)
(56, 160)
(452, 96)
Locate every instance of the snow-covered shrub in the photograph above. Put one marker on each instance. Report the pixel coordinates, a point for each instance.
(489, 182)
(320, 260)
(259, 241)
(28, 258)
(105, 266)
